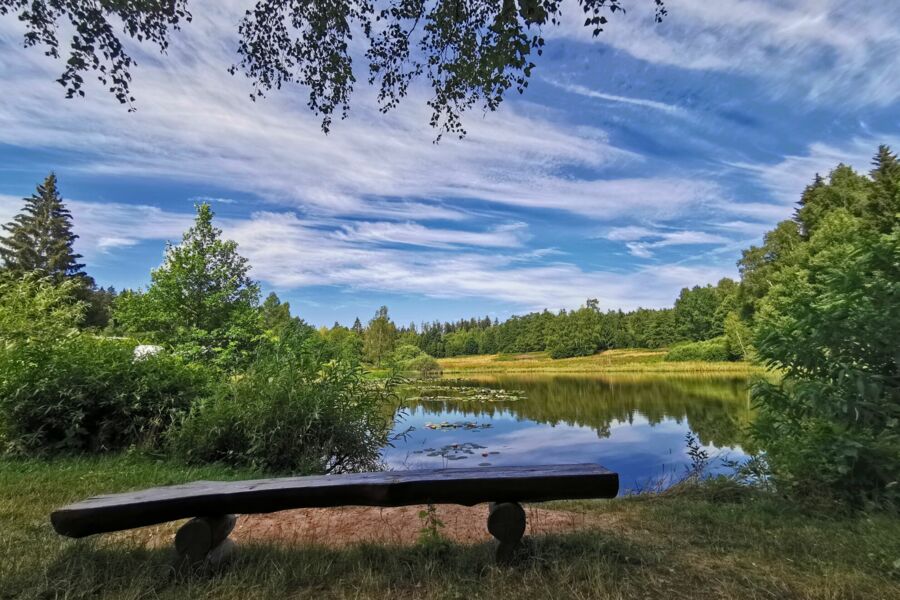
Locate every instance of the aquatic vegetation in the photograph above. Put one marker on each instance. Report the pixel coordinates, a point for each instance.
(458, 425)
(457, 390)
(459, 452)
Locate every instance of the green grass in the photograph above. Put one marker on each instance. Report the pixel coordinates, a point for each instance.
(678, 545)
(611, 361)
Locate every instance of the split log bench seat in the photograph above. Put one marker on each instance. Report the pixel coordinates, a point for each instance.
(213, 504)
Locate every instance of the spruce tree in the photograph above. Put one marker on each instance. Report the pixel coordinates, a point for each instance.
(357, 327)
(40, 238)
(883, 210)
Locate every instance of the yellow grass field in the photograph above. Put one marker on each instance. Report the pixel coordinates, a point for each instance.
(611, 361)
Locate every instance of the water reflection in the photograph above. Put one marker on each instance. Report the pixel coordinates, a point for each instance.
(632, 424)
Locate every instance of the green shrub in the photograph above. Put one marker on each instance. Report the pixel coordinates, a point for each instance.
(424, 366)
(411, 359)
(407, 352)
(715, 349)
(36, 308)
(86, 393)
(291, 413)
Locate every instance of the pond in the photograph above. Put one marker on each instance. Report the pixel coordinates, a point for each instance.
(635, 425)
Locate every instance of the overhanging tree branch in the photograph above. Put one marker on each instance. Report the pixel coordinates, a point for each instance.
(471, 52)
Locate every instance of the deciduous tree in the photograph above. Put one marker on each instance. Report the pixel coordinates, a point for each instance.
(201, 302)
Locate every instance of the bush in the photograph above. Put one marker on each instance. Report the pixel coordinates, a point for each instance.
(36, 308)
(424, 366)
(411, 359)
(715, 349)
(291, 413)
(86, 393)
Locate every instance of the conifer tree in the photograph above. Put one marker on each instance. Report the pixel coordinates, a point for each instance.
(357, 327)
(40, 238)
(884, 202)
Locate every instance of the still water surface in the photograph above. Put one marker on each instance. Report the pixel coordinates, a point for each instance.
(634, 425)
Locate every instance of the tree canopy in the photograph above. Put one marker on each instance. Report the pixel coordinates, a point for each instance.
(470, 52)
(201, 301)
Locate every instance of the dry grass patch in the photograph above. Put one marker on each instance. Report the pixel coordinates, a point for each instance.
(611, 361)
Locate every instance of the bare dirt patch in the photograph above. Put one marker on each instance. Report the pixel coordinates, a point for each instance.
(337, 527)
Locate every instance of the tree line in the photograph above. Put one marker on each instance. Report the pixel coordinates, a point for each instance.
(699, 313)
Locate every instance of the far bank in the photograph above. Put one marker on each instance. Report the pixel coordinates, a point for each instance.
(611, 361)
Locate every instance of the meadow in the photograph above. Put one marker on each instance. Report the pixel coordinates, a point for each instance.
(611, 361)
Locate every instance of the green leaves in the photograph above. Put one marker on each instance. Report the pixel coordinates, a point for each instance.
(201, 302)
(829, 320)
(291, 412)
(470, 52)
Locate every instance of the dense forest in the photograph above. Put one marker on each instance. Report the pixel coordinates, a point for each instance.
(699, 313)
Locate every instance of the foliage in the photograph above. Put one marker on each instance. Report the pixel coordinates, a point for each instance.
(380, 337)
(830, 323)
(40, 237)
(738, 337)
(275, 315)
(471, 53)
(575, 334)
(201, 302)
(698, 312)
(716, 349)
(290, 413)
(85, 393)
(430, 534)
(33, 307)
(410, 359)
(99, 303)
(340, 343)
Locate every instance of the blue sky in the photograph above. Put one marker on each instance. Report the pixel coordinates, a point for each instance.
(635, 164)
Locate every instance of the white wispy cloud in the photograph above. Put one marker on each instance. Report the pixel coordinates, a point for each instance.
(104, 226)
(787, 178)
(286, 253)
(826, 51)
(194, 123)
(289, 252)
(509, 235)
(213, 200)
(9, 206)
(581, 90)
(641, 241)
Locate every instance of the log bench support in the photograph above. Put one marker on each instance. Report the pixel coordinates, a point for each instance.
(506, 522)
(203, 541)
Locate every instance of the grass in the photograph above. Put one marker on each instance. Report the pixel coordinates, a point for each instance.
(610, 361)
(691, 544)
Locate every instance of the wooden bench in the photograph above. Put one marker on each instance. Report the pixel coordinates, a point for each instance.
(213, 504)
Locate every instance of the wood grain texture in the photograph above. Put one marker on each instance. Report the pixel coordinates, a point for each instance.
(387, 488)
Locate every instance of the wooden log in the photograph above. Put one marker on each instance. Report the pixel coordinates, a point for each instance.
(467, 486)
(199, 536)
(221, 554)
(506, 521)
(508, 553)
